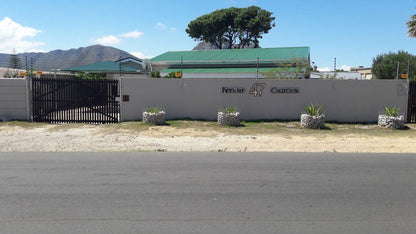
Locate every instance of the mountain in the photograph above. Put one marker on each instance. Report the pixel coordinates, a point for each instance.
(59, 59)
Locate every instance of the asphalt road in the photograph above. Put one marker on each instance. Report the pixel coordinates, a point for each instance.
(207, 193)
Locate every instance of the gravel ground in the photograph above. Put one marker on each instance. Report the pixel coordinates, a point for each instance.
(86, 138)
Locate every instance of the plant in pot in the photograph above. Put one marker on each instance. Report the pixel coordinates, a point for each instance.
(229, 116)
(391, 118)
(154, 115)
(313, 118)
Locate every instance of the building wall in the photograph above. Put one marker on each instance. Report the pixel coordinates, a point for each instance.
(135, 76)
(339, 75)
(343, 100)
(14, 99)
(220, 75)
(365, 73)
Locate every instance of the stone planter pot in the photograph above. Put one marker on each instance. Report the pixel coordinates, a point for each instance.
(312, 121)
(386, 121)
(229, 119)
(154, 118)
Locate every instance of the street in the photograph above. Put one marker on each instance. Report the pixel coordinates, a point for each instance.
(151, 192)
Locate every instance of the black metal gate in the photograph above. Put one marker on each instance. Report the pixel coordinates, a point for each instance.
(411, 110)
(75, 101)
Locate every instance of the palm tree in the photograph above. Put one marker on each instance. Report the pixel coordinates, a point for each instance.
(411, 26)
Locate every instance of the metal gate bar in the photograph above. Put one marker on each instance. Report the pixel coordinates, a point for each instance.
(411, 112)
(75, 101)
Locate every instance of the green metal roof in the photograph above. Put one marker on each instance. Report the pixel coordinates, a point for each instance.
(107, 66)
(227, 70)
(224, 56)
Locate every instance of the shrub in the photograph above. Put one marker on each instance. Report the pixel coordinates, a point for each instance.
(155, 74)
(11, 74)
(154, 110)
(229, 116)
(173, 74)
(91, 76)
(392, 111)
(154, 115)
(313, 109)
(229, 110)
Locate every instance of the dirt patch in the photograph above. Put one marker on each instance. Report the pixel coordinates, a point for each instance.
(180, 136)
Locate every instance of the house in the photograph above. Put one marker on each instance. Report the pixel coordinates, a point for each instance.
(365, 72)
(236, 63)
(125, 66)
(337, 75)
(138, 64)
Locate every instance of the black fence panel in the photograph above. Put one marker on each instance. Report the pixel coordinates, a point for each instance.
(75, 101)
(411, 110)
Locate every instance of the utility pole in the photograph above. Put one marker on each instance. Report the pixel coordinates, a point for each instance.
(27, 67)
(408, 69)
(398, 68)
(181, 66)
(31, 67)
(120, 67)
(257, 72)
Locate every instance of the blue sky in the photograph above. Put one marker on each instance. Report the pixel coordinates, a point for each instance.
(353, 31)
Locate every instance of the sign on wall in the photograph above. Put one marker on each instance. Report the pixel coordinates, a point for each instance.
(284, 90)
(257, 90)
(233, 90)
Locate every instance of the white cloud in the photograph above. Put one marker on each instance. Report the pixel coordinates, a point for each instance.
(160, 26)
(141, 55)
(111, 40)
(107, 40)
(36, 51)
(13, 36)
(345, 68)
(132, 34)
(327, 69)
(324, 69)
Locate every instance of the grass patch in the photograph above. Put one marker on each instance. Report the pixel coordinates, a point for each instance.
(21, 124)
(67, 126)
(284, 128)
(134, 126)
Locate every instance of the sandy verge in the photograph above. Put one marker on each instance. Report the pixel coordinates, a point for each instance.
(87, 138)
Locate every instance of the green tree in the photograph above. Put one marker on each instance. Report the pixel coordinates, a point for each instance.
(294, 69)
(91, 76)
(14, 61)
(14, 66)
(238, 27)
(385, 65)
(252, 23)
(411, 26)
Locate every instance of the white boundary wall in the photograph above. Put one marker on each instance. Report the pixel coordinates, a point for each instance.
(14, 99)
(343, 100)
